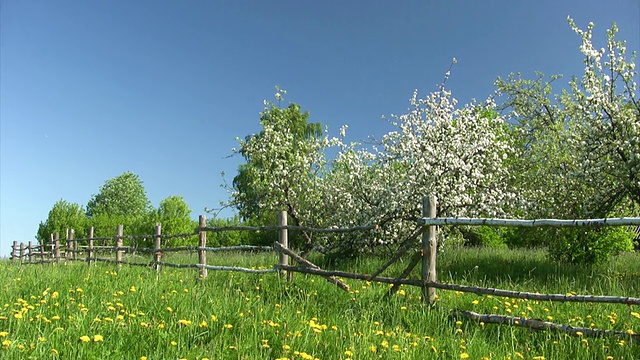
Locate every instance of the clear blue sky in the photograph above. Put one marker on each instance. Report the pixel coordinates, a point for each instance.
(91, 89)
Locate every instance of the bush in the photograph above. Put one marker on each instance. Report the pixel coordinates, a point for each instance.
(590, 246)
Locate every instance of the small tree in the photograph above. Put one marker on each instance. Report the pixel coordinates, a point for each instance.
(63, 216)
(282, 163)
(121, 200)
(175, 216)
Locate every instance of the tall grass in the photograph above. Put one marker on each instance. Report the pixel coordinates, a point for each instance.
(76, 311)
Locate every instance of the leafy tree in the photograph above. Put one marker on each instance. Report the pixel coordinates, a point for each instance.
(121, 200)
(123, 195)
(64, 215)
(175, 216)
(578, 150)
(281, 164)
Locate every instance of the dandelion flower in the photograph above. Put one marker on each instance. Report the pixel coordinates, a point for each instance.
(85, 339)
(98, 338)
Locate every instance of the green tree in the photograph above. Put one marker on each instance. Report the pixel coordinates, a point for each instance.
(281, 164)
(578, 149)
(64, 215)
(121, 200)
(174, 215)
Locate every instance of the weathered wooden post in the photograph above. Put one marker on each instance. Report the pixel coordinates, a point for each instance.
(429, 250)
(29, 251)
(74, 245)
(67, 250)
(90, 249)
(21, 253)
(119, 246)
(202, 254)
(56, 247)
(14, 248)
(157, 255)
(283, 239)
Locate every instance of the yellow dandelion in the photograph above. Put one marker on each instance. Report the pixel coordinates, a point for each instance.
(98, 338)
(85, 339)
(464, 356)
(184, 322)
(54, 351)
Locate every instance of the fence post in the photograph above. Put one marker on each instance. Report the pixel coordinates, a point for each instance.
(67, 250)
(157, 255)
(56, 246)
(14, 248)
(202, 254)
(283, 238)
(29, 250)
(21, 253)
(119, 246)
(74, 245)
(90, 250)
(429, 250)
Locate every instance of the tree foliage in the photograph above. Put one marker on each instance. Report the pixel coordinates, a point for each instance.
(174, 215)
(578, 150)
(62, 217)
(282, 163)
(123, 195)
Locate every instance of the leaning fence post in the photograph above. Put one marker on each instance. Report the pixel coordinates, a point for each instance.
(29, 250)
(429, 250)
(14, 248)
(56, 246)
(202, 254)
(90, 249)
(119, 246)
(157, 255)
(283, 238)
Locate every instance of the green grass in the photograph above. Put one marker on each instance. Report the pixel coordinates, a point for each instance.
(46, 312)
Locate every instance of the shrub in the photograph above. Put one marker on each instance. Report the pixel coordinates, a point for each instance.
(590, 246)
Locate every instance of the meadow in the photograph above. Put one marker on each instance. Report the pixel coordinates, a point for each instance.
(73, 311)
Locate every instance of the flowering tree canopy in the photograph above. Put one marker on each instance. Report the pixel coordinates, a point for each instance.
(579, 151)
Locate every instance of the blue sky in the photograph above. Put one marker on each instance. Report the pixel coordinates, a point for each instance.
(89, 90)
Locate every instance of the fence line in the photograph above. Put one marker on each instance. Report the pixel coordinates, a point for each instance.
(427, 229)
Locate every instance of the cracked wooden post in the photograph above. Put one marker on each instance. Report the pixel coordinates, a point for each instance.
(119, 246)
(30, 251)
(157, 255)
(429, 250)
(90, 250)
(202, 254)
(283, 239)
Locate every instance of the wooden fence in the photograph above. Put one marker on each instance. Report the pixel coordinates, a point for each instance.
(426, 231)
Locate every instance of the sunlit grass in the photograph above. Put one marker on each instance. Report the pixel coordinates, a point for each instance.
(76, 311)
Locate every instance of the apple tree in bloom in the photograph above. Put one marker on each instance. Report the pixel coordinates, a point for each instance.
(283, 162)
(579, 150)
(456, 153)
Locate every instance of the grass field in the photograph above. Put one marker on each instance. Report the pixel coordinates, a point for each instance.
(100, 312)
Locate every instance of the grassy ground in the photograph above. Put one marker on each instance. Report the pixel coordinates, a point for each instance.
(75, 311)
